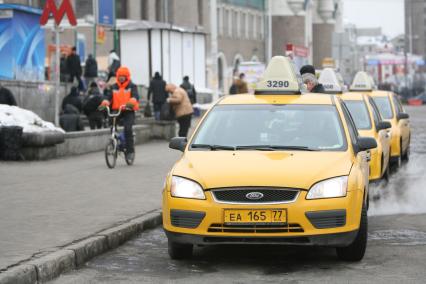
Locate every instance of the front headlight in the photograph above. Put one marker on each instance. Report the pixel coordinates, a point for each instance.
(330, 188)
(185, 188)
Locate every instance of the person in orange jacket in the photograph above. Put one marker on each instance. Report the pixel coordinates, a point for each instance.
(124, 95)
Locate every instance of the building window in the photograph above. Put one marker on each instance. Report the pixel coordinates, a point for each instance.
(158, 10)
(200, 13)
(243, 25)
(229, 22)
(254, 27)
(234, 24)
(144, 10)
(239, 26)
(121, 9)
(261, 27)
(221, 81)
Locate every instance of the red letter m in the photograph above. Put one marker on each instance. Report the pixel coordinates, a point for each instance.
(65, 7)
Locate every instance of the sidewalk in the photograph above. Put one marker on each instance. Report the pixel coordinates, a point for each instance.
(46, 205)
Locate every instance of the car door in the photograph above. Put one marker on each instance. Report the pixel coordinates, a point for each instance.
(383, 136)
(361, 161)
(403, 124)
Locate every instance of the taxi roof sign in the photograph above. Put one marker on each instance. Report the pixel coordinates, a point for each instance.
(280, 77)
(362, 82)
(331, 81)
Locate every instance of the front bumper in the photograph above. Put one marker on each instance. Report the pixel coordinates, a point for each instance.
(328, 222)
(331, 240)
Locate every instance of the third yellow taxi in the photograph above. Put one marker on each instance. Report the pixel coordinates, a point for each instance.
(391, 110)
(276, 167)
(367, 119)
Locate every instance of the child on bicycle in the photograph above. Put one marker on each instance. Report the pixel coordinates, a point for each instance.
(124, 94)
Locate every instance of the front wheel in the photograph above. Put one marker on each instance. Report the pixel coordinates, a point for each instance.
(180, 251)
(356, 250)
(111, 154)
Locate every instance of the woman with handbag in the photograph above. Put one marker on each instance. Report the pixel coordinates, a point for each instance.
(182, 107)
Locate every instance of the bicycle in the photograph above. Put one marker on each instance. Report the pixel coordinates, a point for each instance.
(116, 144)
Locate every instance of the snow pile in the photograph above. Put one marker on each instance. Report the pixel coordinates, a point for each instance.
(29, 121)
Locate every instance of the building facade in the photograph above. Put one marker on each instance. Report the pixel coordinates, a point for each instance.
(415, 26)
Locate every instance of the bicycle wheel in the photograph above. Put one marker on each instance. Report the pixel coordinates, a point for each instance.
(111, 154)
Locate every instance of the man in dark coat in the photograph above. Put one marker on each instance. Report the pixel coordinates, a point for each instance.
(70, 119)
(6, 97)
(157, 88)
(90, 69)
(74, 68)
(64, 68)
(73, 98)
(309, 78)
(190, 90)
(90, 106)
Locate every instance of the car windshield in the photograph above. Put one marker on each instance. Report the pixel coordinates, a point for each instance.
(359, 113)
(271, 127)
(384, 106)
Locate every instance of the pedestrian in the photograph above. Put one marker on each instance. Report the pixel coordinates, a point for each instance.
(310, 79)
(157, 88)
(182, 107)
(63, 68)
(90, 107)
(74, 68)
(113, 64)
(241, 84)
(233, 89)
(124, 94)
(70, 119)
(190, 89)
(74, 99)
(90, 69)
(7, 97)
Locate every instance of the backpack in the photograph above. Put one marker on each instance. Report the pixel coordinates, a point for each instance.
(114, 66)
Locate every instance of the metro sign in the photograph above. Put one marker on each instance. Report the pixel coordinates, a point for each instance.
(58, 15)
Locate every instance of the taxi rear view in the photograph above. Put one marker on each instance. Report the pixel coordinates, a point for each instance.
(277, 167)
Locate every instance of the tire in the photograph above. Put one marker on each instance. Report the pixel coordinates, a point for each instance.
(356, 250)
(180, 251)
(111, 154)
(406, 156)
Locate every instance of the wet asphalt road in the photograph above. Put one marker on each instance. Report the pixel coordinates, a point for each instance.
(396, 250)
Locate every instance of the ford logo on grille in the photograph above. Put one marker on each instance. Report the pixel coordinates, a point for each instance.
(254, 195)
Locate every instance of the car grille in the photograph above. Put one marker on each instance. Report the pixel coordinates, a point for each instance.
(259, 229)
(186, 219)
(269, 195)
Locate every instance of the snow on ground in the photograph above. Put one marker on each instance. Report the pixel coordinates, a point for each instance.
(29, 121)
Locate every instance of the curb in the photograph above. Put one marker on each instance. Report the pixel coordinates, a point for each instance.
(52, 265)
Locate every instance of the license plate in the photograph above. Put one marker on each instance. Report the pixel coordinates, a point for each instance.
(255, 216)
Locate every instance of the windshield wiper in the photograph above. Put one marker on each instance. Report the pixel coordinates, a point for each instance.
(273, 148)
(213, 147)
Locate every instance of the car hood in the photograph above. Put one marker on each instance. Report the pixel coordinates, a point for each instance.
(297, 169)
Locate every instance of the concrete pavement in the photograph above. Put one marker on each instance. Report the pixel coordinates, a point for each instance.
(46, 205)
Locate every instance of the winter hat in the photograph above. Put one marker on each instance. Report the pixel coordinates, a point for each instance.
(307, 69)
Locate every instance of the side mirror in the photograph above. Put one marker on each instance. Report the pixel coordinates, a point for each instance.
(178, 143)
(383, 125)
(402, 115)
(366, 143)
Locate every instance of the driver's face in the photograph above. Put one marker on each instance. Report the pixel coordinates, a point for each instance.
(122, 79)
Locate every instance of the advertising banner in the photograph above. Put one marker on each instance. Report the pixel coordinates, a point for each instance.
(105, 13)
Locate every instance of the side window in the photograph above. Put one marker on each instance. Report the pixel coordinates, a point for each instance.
(397, 104)
(353, 132)
(376, 114)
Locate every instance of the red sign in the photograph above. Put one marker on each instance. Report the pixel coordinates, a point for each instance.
(297, 50)
(50, 8)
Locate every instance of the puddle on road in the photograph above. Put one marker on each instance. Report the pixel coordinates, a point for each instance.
(405, 193)
(399, 237)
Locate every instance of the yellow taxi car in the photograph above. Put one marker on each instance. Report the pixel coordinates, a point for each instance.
(367, 119)
(391, 110)
(276, 167)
